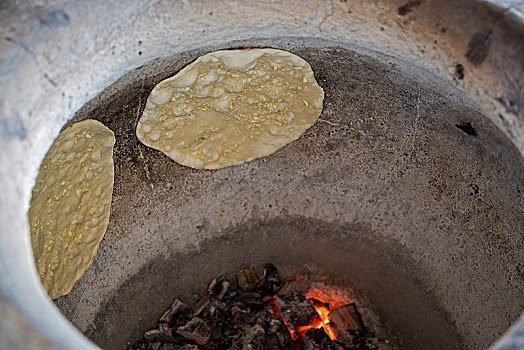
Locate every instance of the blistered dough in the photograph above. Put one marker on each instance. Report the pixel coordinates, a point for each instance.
(69, 210)
(230, 107)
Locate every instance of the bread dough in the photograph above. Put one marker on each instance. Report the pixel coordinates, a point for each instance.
(69, 210)
(230, 107)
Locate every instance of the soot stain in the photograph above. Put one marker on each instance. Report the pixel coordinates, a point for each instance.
(459, 71)
(478, 47)
(467, 128)
(406, 8)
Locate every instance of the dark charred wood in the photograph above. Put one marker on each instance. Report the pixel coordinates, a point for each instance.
(199, 307)
(298, 312)
(196, 330)
(271, 342)
(275, 326)
(175, 308)
(179, 347)
(241, 317)
(347, 317)
(164, 327)
(249, 299)
(317, 339)
(253, 335)
(271, 282)
(284, 339)
(292, 288)
(318, 303)
(264, 319)
(156, 346)
(218, 288)
(159, 335)
(345, 337)
(257, 314)
(215, 306)
(247, 279)
(351, 339)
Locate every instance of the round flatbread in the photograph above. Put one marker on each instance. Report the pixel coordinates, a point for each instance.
(70, 204)
(230, 107)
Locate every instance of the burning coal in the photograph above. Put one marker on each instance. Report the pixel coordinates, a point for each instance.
(262, 313)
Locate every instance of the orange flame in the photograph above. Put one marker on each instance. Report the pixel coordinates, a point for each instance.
(324, 300)
(323, 312)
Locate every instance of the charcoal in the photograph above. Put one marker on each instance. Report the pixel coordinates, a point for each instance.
(159, 335)
(284, 339)
(171, 346)
(175, 308)
(317, 339)
(298, 312)
(247, 279)
(384, 346)
(271, 341)
(318, 303)
(253, 334)
(275, 326)
(372, 342)
(218, 288)
(352, 339)
(257, 314)
(249, 299)
(347, 317)
(264, 318)
(271, 282)
(215, 306)
(345, 337)
(292, 288)
(218, 325)
(196, 330)
(199, 307)
(220, 304)
(279, 303)
(241, 317)
(273, 306)
(316, 335)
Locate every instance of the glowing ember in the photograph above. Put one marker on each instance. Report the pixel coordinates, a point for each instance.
(323, 312)
(323, 301)
(327, 296)
(265, 313)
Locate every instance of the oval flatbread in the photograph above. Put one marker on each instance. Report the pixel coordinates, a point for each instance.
(69, 210)
(230, 107)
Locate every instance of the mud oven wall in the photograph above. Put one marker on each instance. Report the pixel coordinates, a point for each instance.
(384, 195)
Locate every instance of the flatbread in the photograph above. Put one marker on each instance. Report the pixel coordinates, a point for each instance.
(230, 107)
(70, 204)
